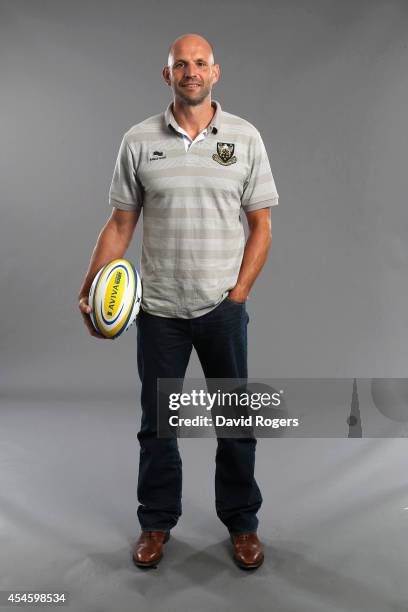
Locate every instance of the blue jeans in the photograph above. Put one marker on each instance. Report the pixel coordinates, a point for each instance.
(164, 347)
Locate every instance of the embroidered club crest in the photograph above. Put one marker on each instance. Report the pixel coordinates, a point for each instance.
(225, 154)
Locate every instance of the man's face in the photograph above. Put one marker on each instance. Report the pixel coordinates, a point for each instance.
(191, 72)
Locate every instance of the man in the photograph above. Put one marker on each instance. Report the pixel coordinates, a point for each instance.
(191, 169)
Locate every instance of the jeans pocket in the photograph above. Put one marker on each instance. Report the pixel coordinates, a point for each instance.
(228, 299)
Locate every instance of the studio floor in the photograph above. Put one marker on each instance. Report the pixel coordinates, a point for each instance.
(333, 522)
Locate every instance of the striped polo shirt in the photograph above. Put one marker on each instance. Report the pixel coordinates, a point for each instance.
(193, 236)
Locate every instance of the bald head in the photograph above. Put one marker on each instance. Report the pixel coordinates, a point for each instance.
(188, 42)
(191, 71)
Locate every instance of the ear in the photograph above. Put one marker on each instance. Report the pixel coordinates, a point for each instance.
(166, 74)
(216, 72)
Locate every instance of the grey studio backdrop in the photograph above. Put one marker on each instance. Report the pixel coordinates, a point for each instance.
(326, 84)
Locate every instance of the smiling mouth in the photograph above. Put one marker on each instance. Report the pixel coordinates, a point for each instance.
(191, 85)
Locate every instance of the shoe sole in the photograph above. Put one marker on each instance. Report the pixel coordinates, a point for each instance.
(151, 563)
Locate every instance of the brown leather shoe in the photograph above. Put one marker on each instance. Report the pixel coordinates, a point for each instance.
(148, 550)
(248, 550)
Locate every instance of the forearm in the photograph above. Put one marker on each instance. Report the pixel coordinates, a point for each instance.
(111, 244)
(255, 254)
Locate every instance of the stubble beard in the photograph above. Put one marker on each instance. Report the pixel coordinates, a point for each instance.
(205, 91)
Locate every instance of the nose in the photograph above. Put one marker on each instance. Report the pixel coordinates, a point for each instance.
(190, 70)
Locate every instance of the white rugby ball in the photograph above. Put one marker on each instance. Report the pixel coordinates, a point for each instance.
(115, 297)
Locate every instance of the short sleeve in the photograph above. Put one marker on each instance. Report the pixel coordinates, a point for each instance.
(259, 187)
(125, 191)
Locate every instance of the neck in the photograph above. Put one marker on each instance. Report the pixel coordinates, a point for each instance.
(193, 119)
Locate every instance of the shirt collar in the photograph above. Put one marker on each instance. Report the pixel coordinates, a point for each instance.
(213, 126)
(184, 133)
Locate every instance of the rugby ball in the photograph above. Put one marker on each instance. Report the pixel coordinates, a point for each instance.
(115, 297)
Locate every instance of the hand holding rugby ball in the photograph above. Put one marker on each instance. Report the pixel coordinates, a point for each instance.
(115, 297)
